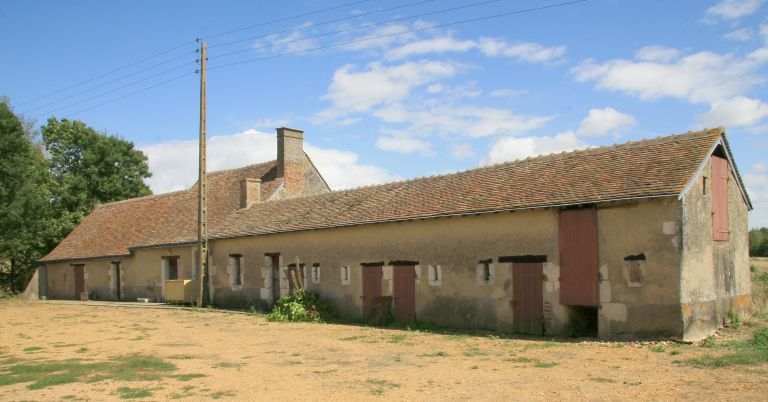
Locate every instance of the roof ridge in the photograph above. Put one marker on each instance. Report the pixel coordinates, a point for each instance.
(690, 135)
(216, 172)
(142, 198)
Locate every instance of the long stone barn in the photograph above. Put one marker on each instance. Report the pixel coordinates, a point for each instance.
(646, 239)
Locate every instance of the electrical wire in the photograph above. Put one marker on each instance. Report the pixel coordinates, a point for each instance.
(105, 74)
(216, 35)
(132, 93)
(528, 10)
(315, 25)
(364, 26)
(116, 89)
(107, 83)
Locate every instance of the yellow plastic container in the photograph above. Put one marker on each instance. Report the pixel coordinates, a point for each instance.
(180, 291)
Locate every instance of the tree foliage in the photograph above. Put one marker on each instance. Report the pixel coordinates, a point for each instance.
(758, 242)
(26, 212)
(50, 182)
(91, 168)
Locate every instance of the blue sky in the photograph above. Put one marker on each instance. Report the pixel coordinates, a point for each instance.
(407, 98)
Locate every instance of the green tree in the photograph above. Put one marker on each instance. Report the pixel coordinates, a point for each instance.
(756, 239)
(91, 168)
(26, 216)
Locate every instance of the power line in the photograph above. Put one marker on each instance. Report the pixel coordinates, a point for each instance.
(108, 82)
(104, 74)
(116, 89)
(75, 85)
(364, 26)
(132, 93)
(322, 23)
(528, 10)
(286, 19)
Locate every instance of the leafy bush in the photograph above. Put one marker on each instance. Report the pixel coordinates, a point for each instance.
(301, 306)
(760, 338)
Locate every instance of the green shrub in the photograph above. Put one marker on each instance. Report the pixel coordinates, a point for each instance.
(760, 338)
(301, 306)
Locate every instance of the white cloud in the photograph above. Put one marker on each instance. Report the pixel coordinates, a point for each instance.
(358, 91)
(658, 53)
(514, 148)
(295, 41)
(433, 45)
(734, 9)
(700, 77)
(508, 92)
(523, 51)
(496, 47)
(461, 120)
(405, 145)
(756, 181)
(602, 121)
(174, 163)
(462, 151)
(742, 35)
(736, 111)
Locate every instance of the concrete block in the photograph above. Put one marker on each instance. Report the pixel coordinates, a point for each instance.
(605, 292)
(614, 311)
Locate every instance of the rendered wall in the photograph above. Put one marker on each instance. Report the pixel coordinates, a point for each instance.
(715, 275)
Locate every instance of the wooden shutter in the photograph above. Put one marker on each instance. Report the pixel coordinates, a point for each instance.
(720, 230)
(579, 268)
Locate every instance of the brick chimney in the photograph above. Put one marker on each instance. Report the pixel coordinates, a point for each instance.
(290, 160)
(250, 192)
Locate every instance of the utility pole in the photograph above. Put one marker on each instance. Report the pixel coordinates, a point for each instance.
(202, 193)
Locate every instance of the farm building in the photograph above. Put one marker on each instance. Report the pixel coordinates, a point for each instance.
(643, 239)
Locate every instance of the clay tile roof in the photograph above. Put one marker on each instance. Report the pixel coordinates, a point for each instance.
(112, 229)
(640, 169)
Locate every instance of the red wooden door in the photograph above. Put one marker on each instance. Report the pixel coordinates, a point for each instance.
(79, 280)
(579, 259)
(405, 293)
(371, 288)
(528, 298)
(720, 229)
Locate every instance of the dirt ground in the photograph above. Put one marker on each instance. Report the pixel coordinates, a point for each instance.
(227, 356)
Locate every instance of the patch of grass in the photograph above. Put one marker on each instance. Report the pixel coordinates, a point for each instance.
(321, 372)
(540, 364)
(221, 394)
(138, 338)
(293, 362)
(435, 354)
(351, 338)
(228, 365)
(540, 345)
(748, 353)
(632, 383)
(734, 321)
(474, 351)
(81, 350)
(181, 357)
(658, 349)
(398, 338)
(378, 387)
(64, 345)
(474, 367)
(186, 392)
(708, 342)
(188, 377)
(536, 362)
(603, 380)
(295, 354)
(675, 353)
(121, 368)
(457, 337)
(133, 393)
(32, 349)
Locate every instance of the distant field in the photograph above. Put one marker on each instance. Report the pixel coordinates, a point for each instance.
(759, 268)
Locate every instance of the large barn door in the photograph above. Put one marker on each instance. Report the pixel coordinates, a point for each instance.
(579, 262)
(528, 298)
(371, 288)
(405, 293)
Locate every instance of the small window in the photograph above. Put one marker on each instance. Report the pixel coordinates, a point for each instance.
(236, 269)
(704, 185)
(315, 273)
(435, 275)
(346, 275)
(484, 272)
(173, 267)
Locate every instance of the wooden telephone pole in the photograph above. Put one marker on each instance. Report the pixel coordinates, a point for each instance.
(202, 194)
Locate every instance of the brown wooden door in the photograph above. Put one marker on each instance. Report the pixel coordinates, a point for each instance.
(79, 280)
(371, 288)
(275, 278)
(117, 281)
(579, 268)
(405, 293)
(528, 298)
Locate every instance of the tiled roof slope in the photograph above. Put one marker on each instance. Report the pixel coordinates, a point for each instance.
(111, 229)
(641, 169)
